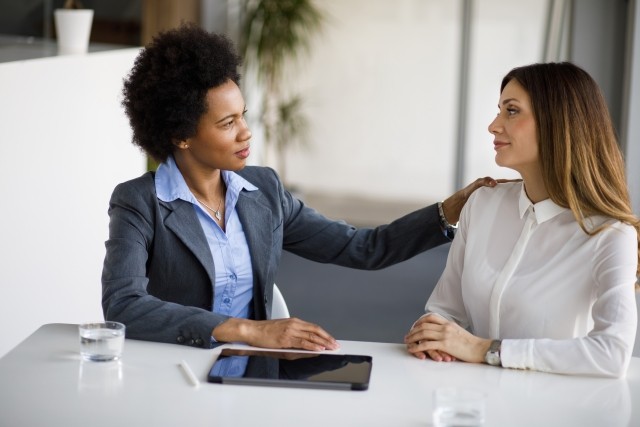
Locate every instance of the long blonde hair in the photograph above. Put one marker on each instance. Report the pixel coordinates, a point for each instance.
(582, 165)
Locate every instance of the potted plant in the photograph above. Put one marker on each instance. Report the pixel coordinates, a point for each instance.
(274, 35)
(73, 27)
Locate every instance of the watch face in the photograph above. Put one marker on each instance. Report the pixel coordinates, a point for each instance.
(493, 355)
(492, 359)
(450, 232)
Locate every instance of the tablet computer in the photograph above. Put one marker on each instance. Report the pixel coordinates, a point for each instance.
(292, 369)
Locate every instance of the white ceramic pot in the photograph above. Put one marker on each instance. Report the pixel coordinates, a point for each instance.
(73, 28)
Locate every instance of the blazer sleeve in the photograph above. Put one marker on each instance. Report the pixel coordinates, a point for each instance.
(133, 213)
(311, 235)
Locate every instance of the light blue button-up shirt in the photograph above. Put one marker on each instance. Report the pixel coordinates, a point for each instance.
(233, 290)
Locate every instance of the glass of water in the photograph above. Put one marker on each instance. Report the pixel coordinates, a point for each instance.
(454, 406)
(101, 341)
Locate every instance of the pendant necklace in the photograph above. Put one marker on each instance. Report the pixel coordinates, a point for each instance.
(216, 212)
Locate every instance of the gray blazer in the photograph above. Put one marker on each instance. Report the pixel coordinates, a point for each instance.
(158, 275)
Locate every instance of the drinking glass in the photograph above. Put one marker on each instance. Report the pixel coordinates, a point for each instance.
(101, 341)
(455, 406)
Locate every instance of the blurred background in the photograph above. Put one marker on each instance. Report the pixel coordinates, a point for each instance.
(382, 108)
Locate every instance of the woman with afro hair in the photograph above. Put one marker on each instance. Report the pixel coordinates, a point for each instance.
(194, 248)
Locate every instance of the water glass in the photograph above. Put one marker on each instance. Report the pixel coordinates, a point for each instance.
(101, 341)
(454, 406)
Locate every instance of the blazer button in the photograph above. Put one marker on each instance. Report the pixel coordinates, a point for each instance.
(180, 339)
(199, 342)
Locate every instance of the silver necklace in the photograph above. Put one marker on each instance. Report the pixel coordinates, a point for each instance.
(216, 212)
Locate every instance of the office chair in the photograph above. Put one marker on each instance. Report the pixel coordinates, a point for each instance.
(279, 308)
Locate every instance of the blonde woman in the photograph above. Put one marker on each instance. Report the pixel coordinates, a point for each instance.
(541, 274)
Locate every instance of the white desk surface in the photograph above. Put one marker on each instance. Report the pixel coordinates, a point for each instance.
(43, 382)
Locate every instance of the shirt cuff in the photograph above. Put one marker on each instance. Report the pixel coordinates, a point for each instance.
(517, 354)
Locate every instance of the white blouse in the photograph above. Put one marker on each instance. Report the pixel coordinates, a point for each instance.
(560, 300)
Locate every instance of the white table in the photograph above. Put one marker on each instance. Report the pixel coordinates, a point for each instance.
(43, 382)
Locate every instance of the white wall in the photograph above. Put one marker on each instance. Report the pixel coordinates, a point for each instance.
(632, 133)
(380, 86)
(65, 143)
(632, 129)
(505, 35)
(381, 91)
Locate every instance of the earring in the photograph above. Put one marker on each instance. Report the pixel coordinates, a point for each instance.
(185, 146)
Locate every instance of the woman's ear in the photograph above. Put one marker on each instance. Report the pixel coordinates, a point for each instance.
(181, 144)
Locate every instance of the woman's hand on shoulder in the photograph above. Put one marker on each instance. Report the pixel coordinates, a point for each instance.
(444, 340)
(279, 333)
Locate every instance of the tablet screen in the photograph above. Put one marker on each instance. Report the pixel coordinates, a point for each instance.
(292, 369)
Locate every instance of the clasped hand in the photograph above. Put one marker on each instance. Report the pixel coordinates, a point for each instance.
(444, 341)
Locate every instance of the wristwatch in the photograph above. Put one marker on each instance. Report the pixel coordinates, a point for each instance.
(449, 229)
(492, 357)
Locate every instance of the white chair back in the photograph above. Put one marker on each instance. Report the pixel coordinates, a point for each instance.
(279, 309)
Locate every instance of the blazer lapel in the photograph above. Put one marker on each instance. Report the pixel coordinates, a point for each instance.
(256, 219)
(256, 223)
(183, 221)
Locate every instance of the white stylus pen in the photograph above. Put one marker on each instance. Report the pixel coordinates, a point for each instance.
(189, 373)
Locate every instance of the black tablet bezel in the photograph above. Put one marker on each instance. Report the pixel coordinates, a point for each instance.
(360, 383)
